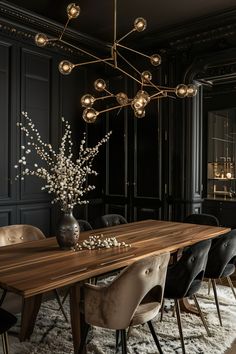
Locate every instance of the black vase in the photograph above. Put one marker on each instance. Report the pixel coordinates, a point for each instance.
(68, 231)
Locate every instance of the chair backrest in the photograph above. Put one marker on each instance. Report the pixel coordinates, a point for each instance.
(19, 233)
(7, 320)
(190, 267)
(202, 219)
(116, 305)
(84, 225)
(112, 220)
(222, 252)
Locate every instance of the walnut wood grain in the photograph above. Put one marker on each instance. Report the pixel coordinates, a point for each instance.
(33, 268)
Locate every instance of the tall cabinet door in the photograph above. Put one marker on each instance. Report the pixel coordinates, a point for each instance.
(133, 161)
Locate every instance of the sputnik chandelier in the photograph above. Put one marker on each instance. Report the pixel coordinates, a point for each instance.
(144, 79)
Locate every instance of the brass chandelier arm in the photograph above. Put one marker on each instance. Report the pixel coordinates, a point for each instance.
(92, 62)
(63, 31)
(126, 35)
(104, 97)
(133, 50)
(115, 107)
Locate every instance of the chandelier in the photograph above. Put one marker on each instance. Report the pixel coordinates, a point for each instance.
(147, 89)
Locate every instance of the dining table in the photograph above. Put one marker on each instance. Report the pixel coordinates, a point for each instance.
(33, 268)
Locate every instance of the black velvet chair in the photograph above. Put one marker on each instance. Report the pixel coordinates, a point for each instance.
(184, 279)
(202, 219)
(7, 320)
(221, 263)
(84, 225)
(112, 220)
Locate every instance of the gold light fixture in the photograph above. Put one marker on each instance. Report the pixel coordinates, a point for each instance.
(143, 79)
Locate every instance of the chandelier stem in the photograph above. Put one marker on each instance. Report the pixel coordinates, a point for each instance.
(115, 20)
(104, 97)
(92, 62)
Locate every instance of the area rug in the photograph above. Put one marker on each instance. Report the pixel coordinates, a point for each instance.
(53, 335)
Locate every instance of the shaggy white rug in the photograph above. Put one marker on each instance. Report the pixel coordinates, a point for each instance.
(53, 335)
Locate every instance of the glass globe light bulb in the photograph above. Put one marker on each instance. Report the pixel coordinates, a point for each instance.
(73, 10)
(146, 76)
(99, 85)
(41, 39)
(90, 115)
(87, 101)
(122, 98)
(155, 59)
(140, 100)
(228, 175)
(181, 90)
(65, 67)
(140, 24)
(139, 113)
(191, 90)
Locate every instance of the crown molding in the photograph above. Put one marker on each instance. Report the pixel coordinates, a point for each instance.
(25, 24)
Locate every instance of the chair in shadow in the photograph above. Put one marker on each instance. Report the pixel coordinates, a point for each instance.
(84, 225)
(132, 298)
(111, 220)
(221, 263)
(184, 279)
(202, 219)
(7, 320)
(13, 234)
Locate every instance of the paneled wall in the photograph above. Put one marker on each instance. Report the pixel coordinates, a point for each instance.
(30, 81)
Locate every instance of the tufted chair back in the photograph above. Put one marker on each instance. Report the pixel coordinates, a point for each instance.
(202, 219)
(184, 277)
(84, 225)
(19, 233)
(113, 306)
(221, 255)
(112, 220)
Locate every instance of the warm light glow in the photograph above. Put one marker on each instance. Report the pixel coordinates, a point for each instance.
(146, 76)
(139, 113)
(140, 100)
(87, 100)
(122, 98)
(73, 10)
(191, 90)
(90, 115)
(155, 59)
(41, 39)
(181, 90)
(65, 67)
(140, 24)
(99, 85)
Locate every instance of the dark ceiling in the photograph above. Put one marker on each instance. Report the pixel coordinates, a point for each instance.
(96, 17)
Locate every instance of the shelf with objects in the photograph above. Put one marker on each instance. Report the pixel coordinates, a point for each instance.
(221, 173)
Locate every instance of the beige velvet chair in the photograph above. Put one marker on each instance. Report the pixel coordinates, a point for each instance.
(13, 234)
(134, 297)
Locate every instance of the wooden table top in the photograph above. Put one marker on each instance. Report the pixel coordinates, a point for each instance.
(35, 267)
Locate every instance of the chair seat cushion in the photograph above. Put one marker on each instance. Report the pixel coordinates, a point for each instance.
(175, 291)
(7, 320)
(213, 274)
(145, 312)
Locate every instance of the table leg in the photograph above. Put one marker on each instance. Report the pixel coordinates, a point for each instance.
(77, 321)
(30, 309)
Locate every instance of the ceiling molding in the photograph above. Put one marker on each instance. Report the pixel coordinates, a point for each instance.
(28, 22)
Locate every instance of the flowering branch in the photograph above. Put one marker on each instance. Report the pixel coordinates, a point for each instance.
(64, 178)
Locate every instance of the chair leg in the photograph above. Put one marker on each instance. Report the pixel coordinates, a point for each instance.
(152, 330)
(209, 286)
(4, 293)
(60, 304)
(216, 299)
(177, 309)
(83, 337)
(117, 340)
(201, 315)
(123, 341)
(231, 285)
(162, 309)
(65, 296)
(5, 343)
